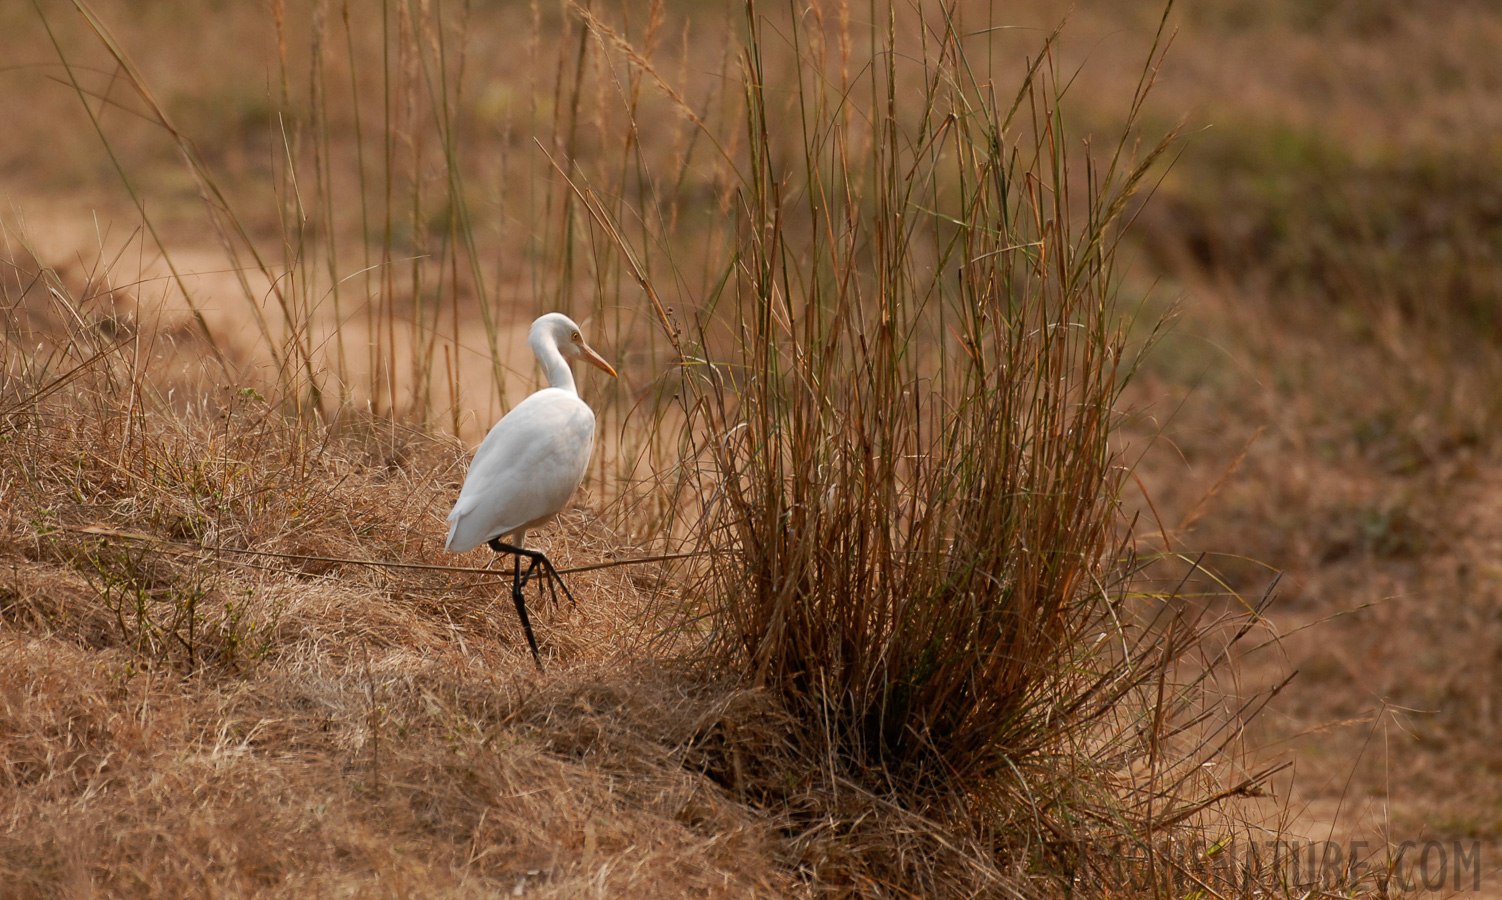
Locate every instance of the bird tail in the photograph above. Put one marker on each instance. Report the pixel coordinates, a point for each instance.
(461, 539)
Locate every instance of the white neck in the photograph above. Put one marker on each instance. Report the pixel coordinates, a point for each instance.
(554, 366)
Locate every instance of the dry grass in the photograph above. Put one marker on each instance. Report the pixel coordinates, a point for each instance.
(313, 776)
(1339, 270)
(181, 722)
(180, 719)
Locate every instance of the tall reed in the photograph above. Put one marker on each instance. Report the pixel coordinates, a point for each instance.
(910, 489)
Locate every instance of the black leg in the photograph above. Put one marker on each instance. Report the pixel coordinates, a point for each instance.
(537, 558)
(519, 581)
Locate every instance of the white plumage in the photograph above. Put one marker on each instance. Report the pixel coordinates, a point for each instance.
(534, 458)
(525, 470)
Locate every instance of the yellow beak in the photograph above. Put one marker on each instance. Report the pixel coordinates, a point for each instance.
(596, 359)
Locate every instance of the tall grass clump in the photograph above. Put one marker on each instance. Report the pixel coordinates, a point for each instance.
(910, 445)
(904, 414)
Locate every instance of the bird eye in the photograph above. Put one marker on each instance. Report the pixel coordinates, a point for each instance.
(576, 337)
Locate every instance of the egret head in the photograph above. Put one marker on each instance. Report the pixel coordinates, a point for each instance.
(563, 333)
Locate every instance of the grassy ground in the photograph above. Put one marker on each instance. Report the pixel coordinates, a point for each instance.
(1336, 355)
(1328, 242)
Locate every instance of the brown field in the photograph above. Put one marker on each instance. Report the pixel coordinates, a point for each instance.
(283, 329)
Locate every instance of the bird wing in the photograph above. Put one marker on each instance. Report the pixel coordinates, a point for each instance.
(525, 470)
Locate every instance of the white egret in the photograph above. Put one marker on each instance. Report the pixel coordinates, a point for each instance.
(530, 463)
